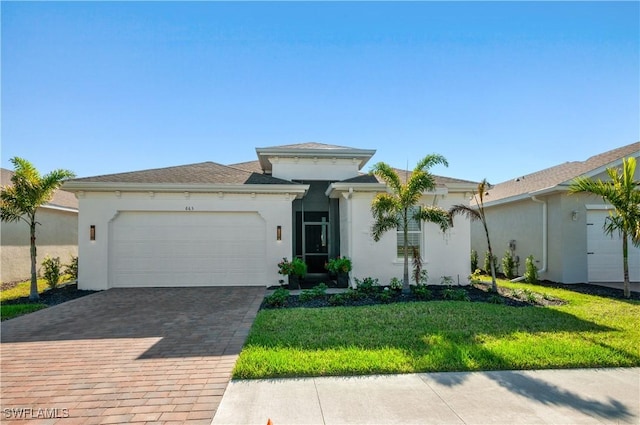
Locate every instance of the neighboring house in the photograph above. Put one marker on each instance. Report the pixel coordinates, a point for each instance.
(534, 215)
(56, 236)
(211, 224)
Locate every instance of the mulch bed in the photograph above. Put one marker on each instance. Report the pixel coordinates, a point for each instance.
(475, 293)
(51, 297)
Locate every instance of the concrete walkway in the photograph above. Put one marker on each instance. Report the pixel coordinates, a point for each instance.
(578, 396)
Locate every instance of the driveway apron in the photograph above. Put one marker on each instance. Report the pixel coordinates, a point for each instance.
(147, 355)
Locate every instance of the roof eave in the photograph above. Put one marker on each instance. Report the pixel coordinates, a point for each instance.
(362, 155)
(294, 189)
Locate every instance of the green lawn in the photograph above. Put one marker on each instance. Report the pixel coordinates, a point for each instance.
(22, 289)
(15, 310)
(588, 331)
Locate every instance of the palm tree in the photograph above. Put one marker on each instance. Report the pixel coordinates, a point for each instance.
(623, 194)
(478, 213)
(21, 200)
(394, 209)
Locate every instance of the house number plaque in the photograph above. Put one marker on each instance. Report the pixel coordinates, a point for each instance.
(189, 208)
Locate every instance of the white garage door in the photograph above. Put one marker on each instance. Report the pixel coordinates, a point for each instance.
(186, 249)
(604, 253)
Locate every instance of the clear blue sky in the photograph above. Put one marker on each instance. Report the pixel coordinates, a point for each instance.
(500, 89)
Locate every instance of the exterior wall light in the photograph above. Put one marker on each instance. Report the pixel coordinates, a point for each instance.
(574, 215)
(92, 232)
(279, 233)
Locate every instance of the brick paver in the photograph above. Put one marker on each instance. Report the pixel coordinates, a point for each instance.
(148, 355)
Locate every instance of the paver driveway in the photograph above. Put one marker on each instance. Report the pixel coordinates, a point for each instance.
(150, 355)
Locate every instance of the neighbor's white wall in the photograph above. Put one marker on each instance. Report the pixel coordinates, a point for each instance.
(520, 221)
(100, 208)
(444, 254)
(56, 236)
(314, 169)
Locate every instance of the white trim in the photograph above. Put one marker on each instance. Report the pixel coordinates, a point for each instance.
(600, 207)
(298, 189)
(59, 208)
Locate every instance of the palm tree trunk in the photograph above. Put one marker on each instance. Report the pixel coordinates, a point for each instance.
(406, 289)
(494, 285)
(33, 295)
(625, 265)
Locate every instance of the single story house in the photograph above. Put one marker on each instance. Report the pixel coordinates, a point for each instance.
(211, 224)
(56, 236)
(534, 215)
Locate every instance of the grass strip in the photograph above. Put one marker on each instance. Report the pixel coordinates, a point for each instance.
(589, 331)
(15, 310)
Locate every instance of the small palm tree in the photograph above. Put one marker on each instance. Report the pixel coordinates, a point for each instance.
(21, 200)
(393, 210)
(623, 193)
(478, 213)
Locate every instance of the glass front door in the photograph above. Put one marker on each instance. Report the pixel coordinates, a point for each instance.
(316, 246)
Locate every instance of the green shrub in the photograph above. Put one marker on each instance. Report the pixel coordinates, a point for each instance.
(487, 264)
(495, 299)
(421, 292)
(71, 269)
(474, 277)
(367, 285)
(395, 284)
(509, 265)
(455, 294)
(278, 298)
(531, 271)
(51, 274)
(317, 291)
(383, 296)
(474, 259)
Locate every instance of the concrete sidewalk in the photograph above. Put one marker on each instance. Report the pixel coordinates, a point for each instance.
(578, 396)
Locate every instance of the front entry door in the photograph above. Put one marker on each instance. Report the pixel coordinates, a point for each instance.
(316, 246)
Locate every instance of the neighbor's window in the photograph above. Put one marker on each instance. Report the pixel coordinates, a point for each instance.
(414, 235)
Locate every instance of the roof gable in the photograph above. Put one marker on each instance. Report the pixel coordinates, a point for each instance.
(558, 175)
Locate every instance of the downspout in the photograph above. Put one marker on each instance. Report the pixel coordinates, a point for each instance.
(350, 227)
(544, 239)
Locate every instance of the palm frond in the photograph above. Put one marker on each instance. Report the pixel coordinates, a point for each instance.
(433, 214)
(429, 161)
(388, 175)
(464, 210)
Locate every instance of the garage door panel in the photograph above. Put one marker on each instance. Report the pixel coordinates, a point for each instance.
(605, 252)
(187, 249)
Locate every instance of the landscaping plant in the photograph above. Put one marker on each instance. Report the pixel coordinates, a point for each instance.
(623, 192)
(474, 259)
(531, 271)
(51, 273)
(477, 213)
(509, 265)
(394, 210)
(21, 200)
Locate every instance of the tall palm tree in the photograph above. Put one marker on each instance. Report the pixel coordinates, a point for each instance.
(623, 193)
(478, 213)
(394, 209)
(21, 200)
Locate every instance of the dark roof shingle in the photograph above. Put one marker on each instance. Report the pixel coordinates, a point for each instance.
(558, 174)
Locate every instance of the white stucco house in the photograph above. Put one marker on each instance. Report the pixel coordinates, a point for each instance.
(56, 236)
(534, 215)
(210, 224)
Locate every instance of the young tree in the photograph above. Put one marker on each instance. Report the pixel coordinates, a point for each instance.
(478, 213)
(393, 210)
(623, 193)
(21, 200)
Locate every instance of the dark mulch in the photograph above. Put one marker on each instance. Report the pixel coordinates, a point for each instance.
(475, 293)
(55, 296)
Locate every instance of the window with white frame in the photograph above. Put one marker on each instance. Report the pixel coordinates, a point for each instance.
(414, 235)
